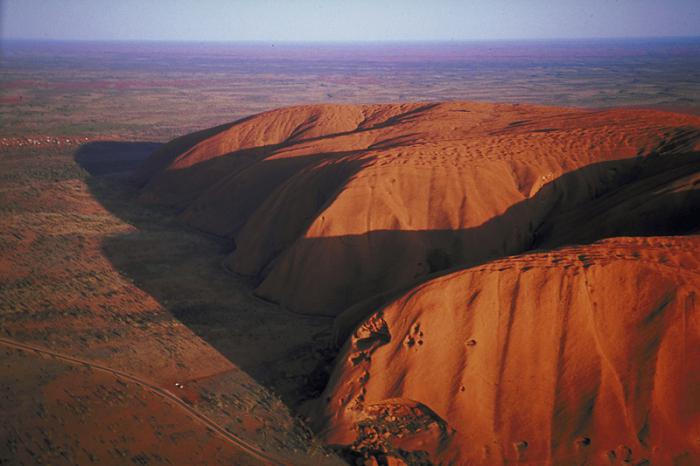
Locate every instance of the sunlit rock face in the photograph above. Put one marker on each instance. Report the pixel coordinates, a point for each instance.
(328, 205)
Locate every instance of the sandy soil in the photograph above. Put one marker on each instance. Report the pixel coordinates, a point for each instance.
(84, 273)
(129, 333)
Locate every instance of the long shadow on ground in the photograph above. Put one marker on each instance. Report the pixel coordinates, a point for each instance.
(291, 353)
(182, 269)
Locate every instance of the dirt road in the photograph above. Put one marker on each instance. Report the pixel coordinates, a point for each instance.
(252, 450)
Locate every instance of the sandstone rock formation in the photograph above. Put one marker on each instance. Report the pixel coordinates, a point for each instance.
(582, 355)
(332, 204)
(511, 283)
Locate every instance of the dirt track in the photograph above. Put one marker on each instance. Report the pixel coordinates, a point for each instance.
(253, 451)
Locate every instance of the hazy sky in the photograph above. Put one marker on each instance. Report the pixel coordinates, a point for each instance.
(346, 20)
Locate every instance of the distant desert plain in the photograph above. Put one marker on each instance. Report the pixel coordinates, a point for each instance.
(402, 254)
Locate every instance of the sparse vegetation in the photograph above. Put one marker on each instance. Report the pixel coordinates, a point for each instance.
(86, 271)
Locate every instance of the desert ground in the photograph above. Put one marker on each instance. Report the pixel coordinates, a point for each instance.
(160, 91)
(182, 282)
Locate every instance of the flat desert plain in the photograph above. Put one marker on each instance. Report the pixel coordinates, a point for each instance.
(391, 254)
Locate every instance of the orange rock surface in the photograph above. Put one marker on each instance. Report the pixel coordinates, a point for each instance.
(332, 204)
(583, 355)
(511, 283)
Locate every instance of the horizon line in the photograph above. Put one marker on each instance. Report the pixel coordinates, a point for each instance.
(350, 41)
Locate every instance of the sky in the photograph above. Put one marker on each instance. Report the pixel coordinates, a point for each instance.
(345, 20)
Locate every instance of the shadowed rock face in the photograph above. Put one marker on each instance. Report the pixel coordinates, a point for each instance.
(330, 205)
(581, 355)
(585, 354)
